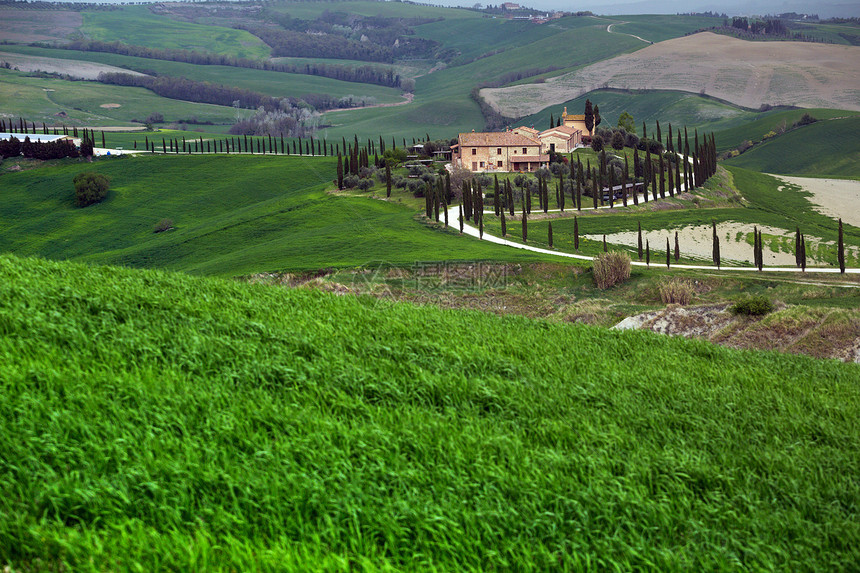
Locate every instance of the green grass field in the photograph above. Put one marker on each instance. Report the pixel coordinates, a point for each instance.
(42, 99)
(138, 26)
(275, 84)
(677, 108)
(233, 216)
(660, 27)
(823, 149)
(153, 420)
(769, 121)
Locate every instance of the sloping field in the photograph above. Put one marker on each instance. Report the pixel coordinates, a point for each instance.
(18, 25)
(155, 421)
(75, 68)
(747, 74)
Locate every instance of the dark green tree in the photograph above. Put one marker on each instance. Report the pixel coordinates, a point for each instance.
(677, 247)
(589, 117)
(387, 177)
(504, 225)
(715, 253)
(576, 233)
(340, 172)
(90, 188)
(639, 249)
(647, 253)
(840, 249)
(549, 234)
(668, 253)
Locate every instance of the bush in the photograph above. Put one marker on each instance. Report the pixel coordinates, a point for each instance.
(90, 188)
(163, 225)
(597, 143)
(365, 184)
(610, 269)
(752, 306)
(350, 181)
(676, 291)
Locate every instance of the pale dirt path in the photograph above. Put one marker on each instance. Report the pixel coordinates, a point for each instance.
(475, 232)
(407, 99)
(609, 29)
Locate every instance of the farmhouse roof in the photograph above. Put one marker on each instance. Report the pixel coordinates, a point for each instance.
(565, 129)
(495, 139)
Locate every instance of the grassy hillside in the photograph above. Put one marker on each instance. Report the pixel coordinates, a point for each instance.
(275, 84)
(215, 425)
(823, 149)
(41, 99)
(138, 26)
(774, 120)
(233, 216)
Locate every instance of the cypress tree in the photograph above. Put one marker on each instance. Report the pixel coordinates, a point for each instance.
(387, 179)
(504, 225)
(668, 253)
(604, 244)
(510, 196)
(659, 137)
(654, 183)
(481, 226)
(445, 207)
(467, 199)
(639, 241)
(760, 252)
(715, 254)
(437, 192)
(624, 182)
(594, 191)
(460, 218)
(669, 145)
(662, 174)
(549, 234)
(551, 121)
(525, 226)
(340, 172)
(560, 192)
(797, 247)
(677, 248)
(496, 194)
(103, 140)
(647, 253)
(803, 253)
(840, 250)
(576, 233)
(671, 183)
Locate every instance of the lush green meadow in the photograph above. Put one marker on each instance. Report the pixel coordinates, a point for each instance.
(822, 149)
(160, 421)
(275, 84)
(41, 99)
(772, 121)
(233, 216)
(138, 26)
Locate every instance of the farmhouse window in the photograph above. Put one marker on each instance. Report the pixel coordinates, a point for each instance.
(525, 151)
(498, 150)
(482, 163)
(474, 151)
(499, 164)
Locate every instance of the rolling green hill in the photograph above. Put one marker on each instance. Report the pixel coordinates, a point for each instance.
(42, 99)
(155, 421)
(823, 149)
(233, 216)
(138, 26)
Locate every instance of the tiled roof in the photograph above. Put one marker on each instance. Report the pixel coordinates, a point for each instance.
(567, 130)
(495, 139)
(574, 117)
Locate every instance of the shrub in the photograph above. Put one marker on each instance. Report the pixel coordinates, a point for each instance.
(90, 188)
(753, 306)
(365, 184)
(597, 143)
(163, 225)
(350, 181)
(610, 269)
(676, 291)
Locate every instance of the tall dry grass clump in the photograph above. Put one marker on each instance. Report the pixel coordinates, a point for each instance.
(676, 291)
(610, 269)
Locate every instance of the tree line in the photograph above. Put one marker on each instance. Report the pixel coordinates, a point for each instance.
(382, 76)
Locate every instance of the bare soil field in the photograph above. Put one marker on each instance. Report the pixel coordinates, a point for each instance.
(75, 68)
(37, 25)
(832, 197)
(747, 74)
(697, 241)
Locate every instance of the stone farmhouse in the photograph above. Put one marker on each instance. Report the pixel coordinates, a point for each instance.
(520, 149)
